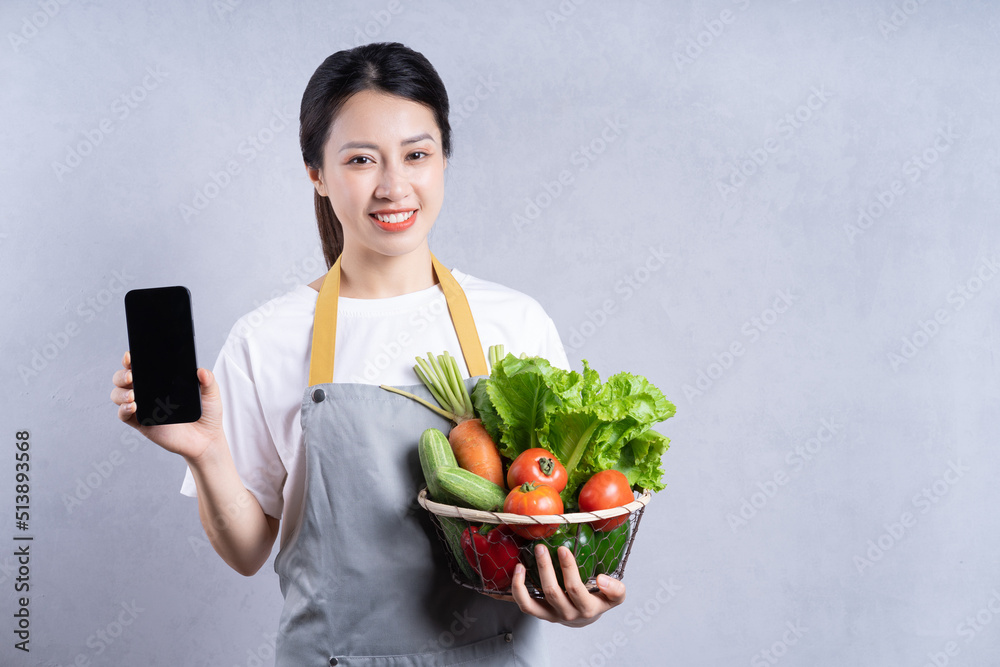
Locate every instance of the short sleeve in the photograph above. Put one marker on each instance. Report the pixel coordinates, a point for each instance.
(554, 351)
(250, 442)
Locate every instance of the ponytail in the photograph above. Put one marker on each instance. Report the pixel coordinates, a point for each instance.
(331, 232)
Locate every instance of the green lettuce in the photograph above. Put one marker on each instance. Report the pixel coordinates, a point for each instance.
(588, 425)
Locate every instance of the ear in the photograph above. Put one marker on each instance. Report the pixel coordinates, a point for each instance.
(445, 163)
(316, 176)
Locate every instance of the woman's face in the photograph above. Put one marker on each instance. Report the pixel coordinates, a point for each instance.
(383, 171)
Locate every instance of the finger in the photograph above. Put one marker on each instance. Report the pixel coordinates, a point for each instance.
(121, 395)
(126, 411)
(207, 381)
(587, 605)
(211, 400)
(528, 604)
(127, 359)
(550, 585)
(612, 589)
(122, 378)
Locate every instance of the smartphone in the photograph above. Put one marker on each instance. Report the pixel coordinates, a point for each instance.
(161, 344)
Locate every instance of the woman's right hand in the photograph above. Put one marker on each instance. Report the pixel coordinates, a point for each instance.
(190, 440)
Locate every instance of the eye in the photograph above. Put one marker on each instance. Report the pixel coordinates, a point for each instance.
(360, 159)
(416, 155)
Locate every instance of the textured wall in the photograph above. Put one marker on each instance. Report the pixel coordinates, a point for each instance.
(784, 214)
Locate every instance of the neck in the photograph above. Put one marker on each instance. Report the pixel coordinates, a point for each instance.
(365, 275)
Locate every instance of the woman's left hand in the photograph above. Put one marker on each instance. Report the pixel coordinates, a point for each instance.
(576, 606)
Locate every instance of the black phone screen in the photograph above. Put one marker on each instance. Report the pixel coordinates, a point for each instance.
(161, 345)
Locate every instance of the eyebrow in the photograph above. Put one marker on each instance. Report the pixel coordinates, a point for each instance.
(373, 147)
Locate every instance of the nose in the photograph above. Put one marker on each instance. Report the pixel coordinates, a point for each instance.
(392, 184)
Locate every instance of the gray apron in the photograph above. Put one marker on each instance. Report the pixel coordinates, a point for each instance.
(365, 578)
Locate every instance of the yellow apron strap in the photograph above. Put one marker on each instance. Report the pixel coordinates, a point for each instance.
(325, 328)
(325, 324)
(461, 317)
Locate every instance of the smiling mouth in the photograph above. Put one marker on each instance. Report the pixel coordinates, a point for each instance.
(393, 218)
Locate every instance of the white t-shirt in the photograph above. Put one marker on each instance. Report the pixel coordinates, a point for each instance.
(263, 368)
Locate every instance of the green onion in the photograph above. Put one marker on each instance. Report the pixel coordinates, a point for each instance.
(443, 377)
(496, 354)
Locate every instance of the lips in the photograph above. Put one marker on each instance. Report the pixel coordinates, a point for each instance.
(394, 221)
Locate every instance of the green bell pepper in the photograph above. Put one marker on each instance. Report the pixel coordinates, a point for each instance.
(610, 548)
(579, 539)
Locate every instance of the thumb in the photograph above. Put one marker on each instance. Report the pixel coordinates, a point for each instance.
(613, 589)
(207, 381)
(211, 401)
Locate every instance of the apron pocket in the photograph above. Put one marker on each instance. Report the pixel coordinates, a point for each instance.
(497, 650)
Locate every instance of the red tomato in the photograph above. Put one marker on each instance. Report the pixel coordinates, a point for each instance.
(539, 466)
(531, 499)
(604, 490)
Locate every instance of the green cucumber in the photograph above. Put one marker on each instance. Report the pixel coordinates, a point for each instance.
(435, 453)
(453, 529)
(470, 489)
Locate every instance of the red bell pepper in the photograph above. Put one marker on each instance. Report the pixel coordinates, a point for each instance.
(492, 552)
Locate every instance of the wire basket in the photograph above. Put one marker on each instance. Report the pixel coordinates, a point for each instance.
(485, 563)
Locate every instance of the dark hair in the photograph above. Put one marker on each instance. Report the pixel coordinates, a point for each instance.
(388, 67)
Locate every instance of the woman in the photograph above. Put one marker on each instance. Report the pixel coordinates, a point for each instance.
(360, 572)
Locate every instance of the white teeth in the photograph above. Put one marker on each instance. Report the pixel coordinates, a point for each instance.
(394, 217)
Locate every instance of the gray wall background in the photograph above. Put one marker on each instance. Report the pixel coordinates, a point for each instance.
(812, 185)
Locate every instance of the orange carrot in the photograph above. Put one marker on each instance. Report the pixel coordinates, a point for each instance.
(476, 452)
